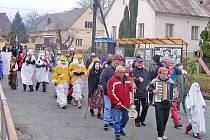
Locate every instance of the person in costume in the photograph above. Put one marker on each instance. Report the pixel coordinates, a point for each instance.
(70, 55)
(6, 57)
(162, 106)
(13, 82)
(21, 57)
(28, 70)
(195, 107)
(61, 77)
(78, 73)
(93, 87)
(42, 71)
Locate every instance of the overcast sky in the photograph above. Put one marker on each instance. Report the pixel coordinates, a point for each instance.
(41, 6)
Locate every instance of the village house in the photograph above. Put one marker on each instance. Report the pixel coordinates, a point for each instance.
(76, 23)
(5, 26)
(184, 19)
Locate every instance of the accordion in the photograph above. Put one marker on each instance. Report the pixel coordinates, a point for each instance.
(166, 91)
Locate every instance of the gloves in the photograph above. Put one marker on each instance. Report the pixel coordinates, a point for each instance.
(82, 73)
(76, 73)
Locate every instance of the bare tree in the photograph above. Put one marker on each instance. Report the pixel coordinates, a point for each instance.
(89, 3)
(31, 20)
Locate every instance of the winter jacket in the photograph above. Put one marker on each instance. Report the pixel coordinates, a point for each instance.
(141, 87)
(93, 79)
(118, 91)
(106, 74)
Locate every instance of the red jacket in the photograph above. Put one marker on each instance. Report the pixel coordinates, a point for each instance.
(119, 92)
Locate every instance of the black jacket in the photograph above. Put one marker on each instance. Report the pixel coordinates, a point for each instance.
(106, 74)
(141, 88)
(93, 79)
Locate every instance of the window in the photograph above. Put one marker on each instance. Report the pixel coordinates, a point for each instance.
(194, 32)
(33, 39)
(114, 32)
(78, 42)
(48, 20)
(88, 24)
(169, 30)
(141, 30)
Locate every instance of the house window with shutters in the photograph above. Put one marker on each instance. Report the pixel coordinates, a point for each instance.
(78, 42)
(169, 30)
(88, 24)
(195, 32)
(141, 30)
(114, 32)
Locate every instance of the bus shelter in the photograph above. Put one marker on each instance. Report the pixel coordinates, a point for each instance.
(174, 48)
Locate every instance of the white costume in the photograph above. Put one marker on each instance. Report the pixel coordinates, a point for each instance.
(6, 57)
(195, 109)
(28, 69)
(42, 68)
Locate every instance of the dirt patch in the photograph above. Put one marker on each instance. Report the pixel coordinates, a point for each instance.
(22, 132)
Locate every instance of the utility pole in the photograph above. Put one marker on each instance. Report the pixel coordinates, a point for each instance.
(93, 49)
(97, 5)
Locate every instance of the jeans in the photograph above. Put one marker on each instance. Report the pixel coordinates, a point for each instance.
(120, 119)
(107, 110)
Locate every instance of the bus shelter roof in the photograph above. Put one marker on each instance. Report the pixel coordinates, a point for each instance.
(151, 41)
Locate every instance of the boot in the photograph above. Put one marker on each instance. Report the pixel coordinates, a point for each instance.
(79, 104)
(99, 116)
(92, 112)
(37, 86)
(24, 87)
(198, 136)
(31, 88)
(44, 87)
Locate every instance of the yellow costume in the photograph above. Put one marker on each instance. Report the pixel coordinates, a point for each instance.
(61, 79)
(78, 72)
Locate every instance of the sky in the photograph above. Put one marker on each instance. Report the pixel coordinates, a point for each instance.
(41, 6)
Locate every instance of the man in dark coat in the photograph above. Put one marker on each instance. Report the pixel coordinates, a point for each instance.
(106, 75)
(141, 79)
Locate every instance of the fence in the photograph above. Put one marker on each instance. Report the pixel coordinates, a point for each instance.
(7, 125)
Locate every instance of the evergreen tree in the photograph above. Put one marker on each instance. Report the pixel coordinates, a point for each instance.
(205, 42)
(133, 7)
(18, 30)
(124, 29)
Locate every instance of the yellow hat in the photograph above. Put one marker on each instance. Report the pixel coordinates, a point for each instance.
(63, 58)
(79, 56)
(96, 59)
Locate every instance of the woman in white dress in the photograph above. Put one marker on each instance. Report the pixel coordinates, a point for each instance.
(195, 106)
(28, 70)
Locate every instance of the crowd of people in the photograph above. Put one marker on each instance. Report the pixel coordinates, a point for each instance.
(110, 83)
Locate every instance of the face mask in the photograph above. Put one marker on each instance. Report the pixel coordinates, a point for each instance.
(97, 66)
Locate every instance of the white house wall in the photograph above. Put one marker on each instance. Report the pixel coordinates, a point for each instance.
(182, 27)
(146, 15)
(115, 15)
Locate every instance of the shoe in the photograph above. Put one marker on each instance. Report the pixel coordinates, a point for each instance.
(106, 127)
(44, 91)
(159, 138)
(111, 125)
(164, 138)
(178, 125)
(143, 124)
(122, 133)
(79, 105)
(92, 112)
(186, 131)
(138, 124)
(99, 116)
(198, 136)
(64, 107)
(117, 137)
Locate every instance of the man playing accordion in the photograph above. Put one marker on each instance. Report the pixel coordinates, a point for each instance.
(162, 89)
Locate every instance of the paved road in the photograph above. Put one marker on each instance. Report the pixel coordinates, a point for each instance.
(45, 121)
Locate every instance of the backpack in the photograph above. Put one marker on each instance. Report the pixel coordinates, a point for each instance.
(153, 71)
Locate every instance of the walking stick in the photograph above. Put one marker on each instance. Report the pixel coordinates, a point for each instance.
(133, 113)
